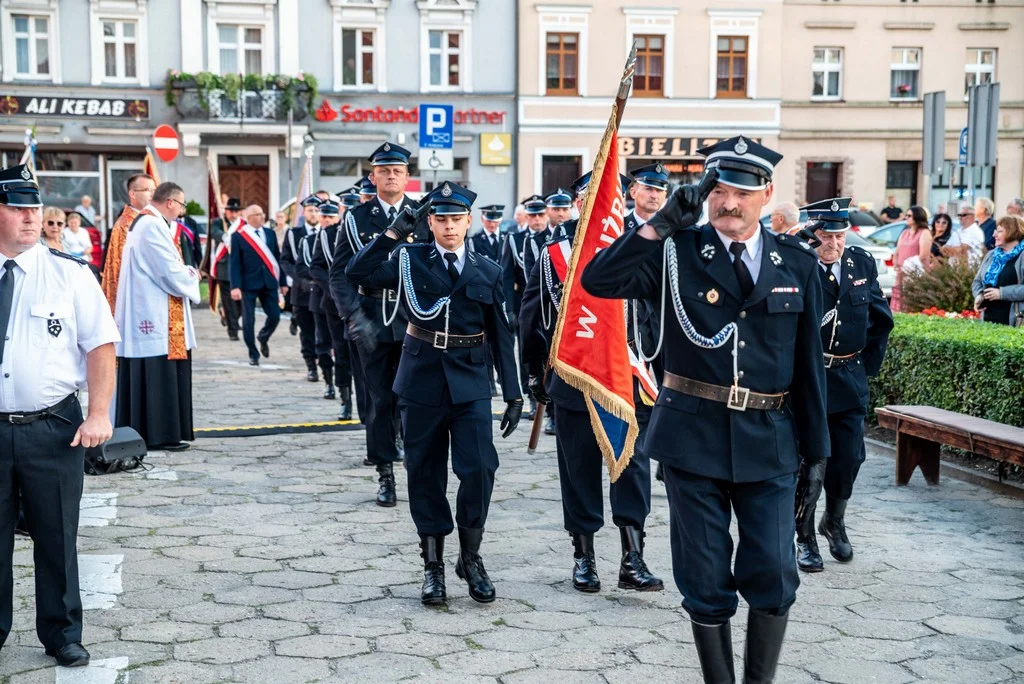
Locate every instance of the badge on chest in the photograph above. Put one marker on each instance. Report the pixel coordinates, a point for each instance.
(54, 327)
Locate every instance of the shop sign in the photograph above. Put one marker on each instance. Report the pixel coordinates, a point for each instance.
(353, 114)
(656, 147)
(495, 149)
(100, 107)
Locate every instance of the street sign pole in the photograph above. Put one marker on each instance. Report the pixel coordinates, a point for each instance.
(933, 142)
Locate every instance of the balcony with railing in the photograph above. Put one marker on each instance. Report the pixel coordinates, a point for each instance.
(234, 98)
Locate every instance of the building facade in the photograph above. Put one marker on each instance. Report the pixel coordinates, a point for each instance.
(837, 87)
(250, 87)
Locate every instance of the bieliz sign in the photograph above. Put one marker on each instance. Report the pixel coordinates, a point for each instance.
(98, 107)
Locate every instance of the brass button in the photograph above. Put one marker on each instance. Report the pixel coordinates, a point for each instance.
(743, 314)
(740, 374)
(742, 344)
(786, 305)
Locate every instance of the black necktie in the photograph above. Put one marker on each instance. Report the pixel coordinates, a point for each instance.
(742, 273)
(6, 300)
(451, 258)
(828, 280)
(392, 213)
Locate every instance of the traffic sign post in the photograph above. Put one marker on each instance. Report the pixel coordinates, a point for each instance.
(165, 143)
(437, 126)
(962, 155)
(437, 160)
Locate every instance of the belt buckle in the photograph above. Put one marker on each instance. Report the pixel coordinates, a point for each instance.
(14, 418)
(829, 358)
(391, 296)
(739, 397)
(440, 336)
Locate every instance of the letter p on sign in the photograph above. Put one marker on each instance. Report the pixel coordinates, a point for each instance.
(436, 126)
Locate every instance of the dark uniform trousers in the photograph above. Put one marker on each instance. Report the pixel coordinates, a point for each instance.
(229, 305)
(718, 460)
(321, 331)
(846, 432)
(307, 333)
(39, 469)
(379, 369)
(268, 300)
(445, 397)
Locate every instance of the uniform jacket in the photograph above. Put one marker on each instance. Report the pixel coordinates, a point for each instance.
(477, 305)
(321, 248)
(217, 230)
(248, 272)
(302, 269)
(780, 351)
(864, 323)
(513, 276)
(481, 245)
(291, 257)
(370, 220)
(535, 242)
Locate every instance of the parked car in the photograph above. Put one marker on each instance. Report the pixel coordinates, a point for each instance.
(863, 223)
(883, 260)
(886, 236)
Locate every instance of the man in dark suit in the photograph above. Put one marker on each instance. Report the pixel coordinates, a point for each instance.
(455, 307)
(299, 286)
(742, 400)
(854, 333)
(488, 241)
(256, 275)
(221, 230)
(378, 343)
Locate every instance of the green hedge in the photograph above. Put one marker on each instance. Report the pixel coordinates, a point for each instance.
(959, 365)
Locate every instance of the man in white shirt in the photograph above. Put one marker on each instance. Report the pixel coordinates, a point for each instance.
(972, 238)
(154, 374)
(56, 337)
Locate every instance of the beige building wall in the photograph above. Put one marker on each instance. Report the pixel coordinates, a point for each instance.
(862, 129)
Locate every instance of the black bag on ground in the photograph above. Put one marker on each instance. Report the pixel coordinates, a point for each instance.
(125, 450)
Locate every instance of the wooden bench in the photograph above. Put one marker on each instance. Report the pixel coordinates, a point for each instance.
(922, 430)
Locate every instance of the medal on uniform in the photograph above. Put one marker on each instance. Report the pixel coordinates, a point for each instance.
(53, 326)
(712, 296)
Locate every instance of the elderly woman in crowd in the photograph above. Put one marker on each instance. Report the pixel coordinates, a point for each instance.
(53, 229)
(77, 238)
(999, 286)
(913, 251)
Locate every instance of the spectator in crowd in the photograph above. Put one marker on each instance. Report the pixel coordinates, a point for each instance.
(941, 209)
(999, 286)
(944, 239)
(971, 237)
(520, 217)
(984, 209)
(891, 213)
(785, 217)
(53, 229)
(86, 209)
(79, 243)
(1016, 207)
(913, 251)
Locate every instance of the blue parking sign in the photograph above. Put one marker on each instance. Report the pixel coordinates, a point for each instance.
(962, 156)
(437, 129)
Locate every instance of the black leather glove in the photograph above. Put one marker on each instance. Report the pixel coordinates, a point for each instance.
(510, 419)
(538, 390)
(404, 223)
(808, 488)
(362, 331)
(684, 207)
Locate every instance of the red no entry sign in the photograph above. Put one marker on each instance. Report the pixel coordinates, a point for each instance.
(165, 142)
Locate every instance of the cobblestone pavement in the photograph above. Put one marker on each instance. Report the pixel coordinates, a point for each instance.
(265, 560)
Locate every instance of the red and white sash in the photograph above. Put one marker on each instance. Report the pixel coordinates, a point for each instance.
(560, 253)
(262, 249)
(224, 248)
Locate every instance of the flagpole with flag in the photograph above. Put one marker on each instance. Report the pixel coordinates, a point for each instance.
(29, 156)
(214, 210)
(589, 349)
(149, 166)
(305, 187)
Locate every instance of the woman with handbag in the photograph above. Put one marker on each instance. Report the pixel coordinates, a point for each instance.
(999, 286)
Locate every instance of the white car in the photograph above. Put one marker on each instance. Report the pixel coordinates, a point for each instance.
(883, 260)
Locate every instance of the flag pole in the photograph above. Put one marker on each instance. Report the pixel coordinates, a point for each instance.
(618, 108)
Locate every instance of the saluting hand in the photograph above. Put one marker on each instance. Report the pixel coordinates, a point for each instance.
(684, 207)
(94, 431)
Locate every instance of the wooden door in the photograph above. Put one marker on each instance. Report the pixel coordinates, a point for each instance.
(250, 184)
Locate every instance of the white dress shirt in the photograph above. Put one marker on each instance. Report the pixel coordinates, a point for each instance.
(460, 253)
(59, 314)
(752, 254)
(836, 268)
(388, 207)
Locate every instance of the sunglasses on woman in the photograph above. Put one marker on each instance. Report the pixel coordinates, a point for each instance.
(59, 224)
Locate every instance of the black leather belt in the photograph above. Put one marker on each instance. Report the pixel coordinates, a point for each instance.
(735, 397)
(27, 417)
(378, 294)
(832, 361)
(442, 341)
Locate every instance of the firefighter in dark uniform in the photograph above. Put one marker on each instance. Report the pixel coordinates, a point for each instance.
(322, 252)
(488, 242)
(367, 190)
(557, 209)
(513, 275)
(454, 303)
(218, 229)
(580, 463)
(378, 344)
(298, 294)
(350, 199)
(742, 400)
(854, 332)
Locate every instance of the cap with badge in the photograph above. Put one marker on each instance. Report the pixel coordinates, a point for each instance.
(741, 163)
(234, 204)
(312, 201)
(535, 204)
(390, 154)
(558, 199)
(18, 188)
(329, 208)
(493, 212)
(830, 215)
(350, 197)
(366, 186)
(450, 199)
(579, 186)
(653, 176)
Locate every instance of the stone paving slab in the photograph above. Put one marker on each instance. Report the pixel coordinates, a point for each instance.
(264, 559)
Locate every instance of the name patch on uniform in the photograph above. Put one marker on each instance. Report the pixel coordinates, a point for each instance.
(785, 290)
(53, 326)
(859, 282)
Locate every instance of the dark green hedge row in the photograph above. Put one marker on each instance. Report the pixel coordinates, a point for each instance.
(959, 365)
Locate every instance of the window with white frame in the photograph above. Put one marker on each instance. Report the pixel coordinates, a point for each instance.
(980, 68)
(31, 45)
(119, 50)
(444, 51)
(827, 70)
(905, 74)
(358, 52)
(240, 49)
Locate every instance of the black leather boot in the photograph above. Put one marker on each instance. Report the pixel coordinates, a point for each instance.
(714, 649)
(329, 380)
(659, 474)
(312, 375)
(833, 526)
(584, 573)
(432, 551)
(808, 558)
(345, 413)
(633, 572)
(764, 644)
(470, 566)
(386, 495)
(293, 327)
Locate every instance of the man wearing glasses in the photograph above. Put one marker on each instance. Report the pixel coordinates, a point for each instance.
(154, 370)
(255, 272)
(140, 192)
